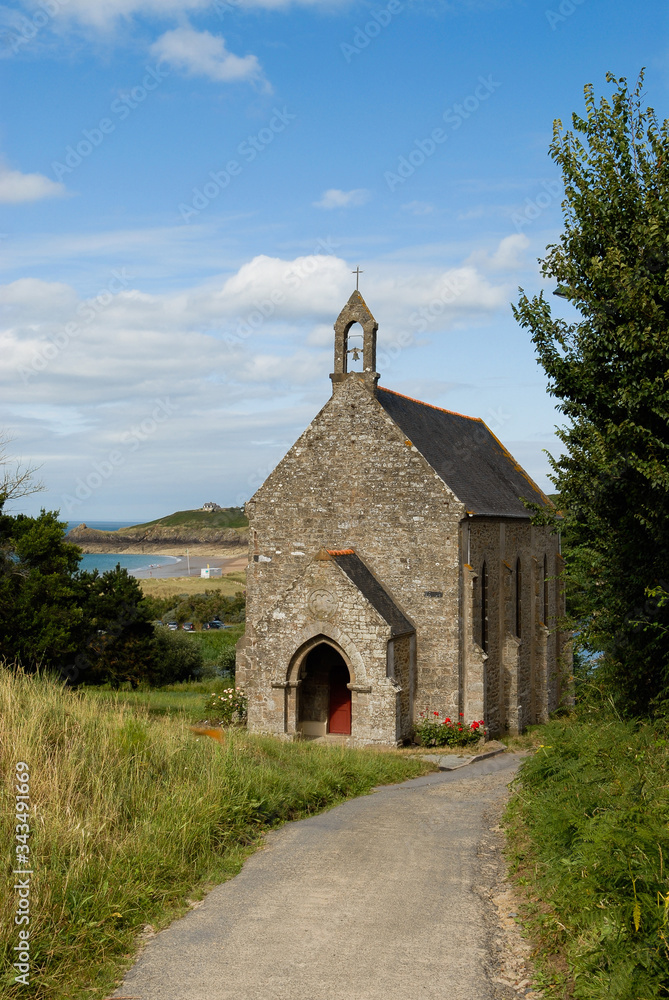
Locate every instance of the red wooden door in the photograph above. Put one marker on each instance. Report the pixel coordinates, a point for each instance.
(340, 702)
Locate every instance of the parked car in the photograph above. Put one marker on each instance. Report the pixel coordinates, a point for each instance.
(214, 624)
(173, 626)
(188, 627)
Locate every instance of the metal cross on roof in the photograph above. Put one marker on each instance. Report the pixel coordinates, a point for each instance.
(357, 274)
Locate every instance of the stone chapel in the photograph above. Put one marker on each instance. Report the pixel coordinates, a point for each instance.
(393, 570)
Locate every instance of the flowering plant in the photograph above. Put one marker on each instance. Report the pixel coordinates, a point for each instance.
(433, 731)
(228, 706)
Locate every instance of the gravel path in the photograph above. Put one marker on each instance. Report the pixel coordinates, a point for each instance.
(387, 896)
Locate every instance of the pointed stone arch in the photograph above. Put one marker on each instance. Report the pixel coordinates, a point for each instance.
(333, 636)
(355, 311)
(322, 635)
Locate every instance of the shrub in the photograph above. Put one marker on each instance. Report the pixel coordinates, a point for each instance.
(433, 731)
(176, 658)
(198, 608)
(590, 833)
(227, 661)
(227, 706)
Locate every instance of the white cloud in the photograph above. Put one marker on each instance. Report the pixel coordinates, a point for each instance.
(200, 53)
(509, 255)
(261, 319)
(418, 208)
(103, 13)
(334, 198)
(472, 213)
(242, 358)
(16, 187)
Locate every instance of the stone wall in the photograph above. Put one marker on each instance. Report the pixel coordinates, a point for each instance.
(522, 682)
(353, 481)
(321, 606)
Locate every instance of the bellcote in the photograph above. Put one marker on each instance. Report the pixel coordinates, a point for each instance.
(355, 311)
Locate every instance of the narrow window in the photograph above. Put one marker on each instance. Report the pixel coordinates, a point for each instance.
(519, 609)
(484, 608)
(545, 617)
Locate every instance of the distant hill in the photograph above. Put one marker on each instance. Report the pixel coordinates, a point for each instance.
(227, 517)
(221, 530)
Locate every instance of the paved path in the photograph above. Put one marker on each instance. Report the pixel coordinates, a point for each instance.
(373, 900)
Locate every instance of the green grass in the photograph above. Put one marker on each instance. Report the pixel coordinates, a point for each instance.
(589, 839)
(229, 517)
(187, 698)
(213, 642)
(131, 815)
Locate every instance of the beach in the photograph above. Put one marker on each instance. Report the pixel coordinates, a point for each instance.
(231, 564)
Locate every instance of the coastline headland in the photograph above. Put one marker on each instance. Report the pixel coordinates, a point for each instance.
(222, 534)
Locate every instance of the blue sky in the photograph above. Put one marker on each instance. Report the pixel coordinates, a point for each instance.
(185, 187)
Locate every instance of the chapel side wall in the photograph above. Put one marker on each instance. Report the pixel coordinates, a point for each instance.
(522, 677)
(353, 481)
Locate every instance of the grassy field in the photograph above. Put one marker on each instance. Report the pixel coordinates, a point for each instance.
(589, 842)
(185, 699)
(177, 586)
(214, 643)
(131, 815)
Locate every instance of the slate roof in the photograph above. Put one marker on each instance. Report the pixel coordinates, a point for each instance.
(466, 455)
(371, 589)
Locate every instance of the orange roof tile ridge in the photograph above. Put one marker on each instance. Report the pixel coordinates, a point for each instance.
(341, 552)
(442, 409)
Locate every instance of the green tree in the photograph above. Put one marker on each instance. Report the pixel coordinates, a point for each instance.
(93, 628)
(42, 619)
(177, 658)
(609, 368)
(120, 645)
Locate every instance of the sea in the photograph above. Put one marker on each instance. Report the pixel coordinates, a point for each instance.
(103, 561)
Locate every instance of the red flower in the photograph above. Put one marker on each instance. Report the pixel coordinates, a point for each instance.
(447, 720)
(461, 714)
(435, 713)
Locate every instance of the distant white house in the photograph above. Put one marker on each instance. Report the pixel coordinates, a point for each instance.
(210, 572)
(210, 506)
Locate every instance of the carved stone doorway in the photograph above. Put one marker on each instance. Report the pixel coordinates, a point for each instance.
(324, 699)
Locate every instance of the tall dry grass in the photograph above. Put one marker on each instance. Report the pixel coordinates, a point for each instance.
(130, 813)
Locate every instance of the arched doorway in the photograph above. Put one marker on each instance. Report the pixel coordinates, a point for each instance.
(325, 699)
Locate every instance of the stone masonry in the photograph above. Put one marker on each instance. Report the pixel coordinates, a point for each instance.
(390, 546)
